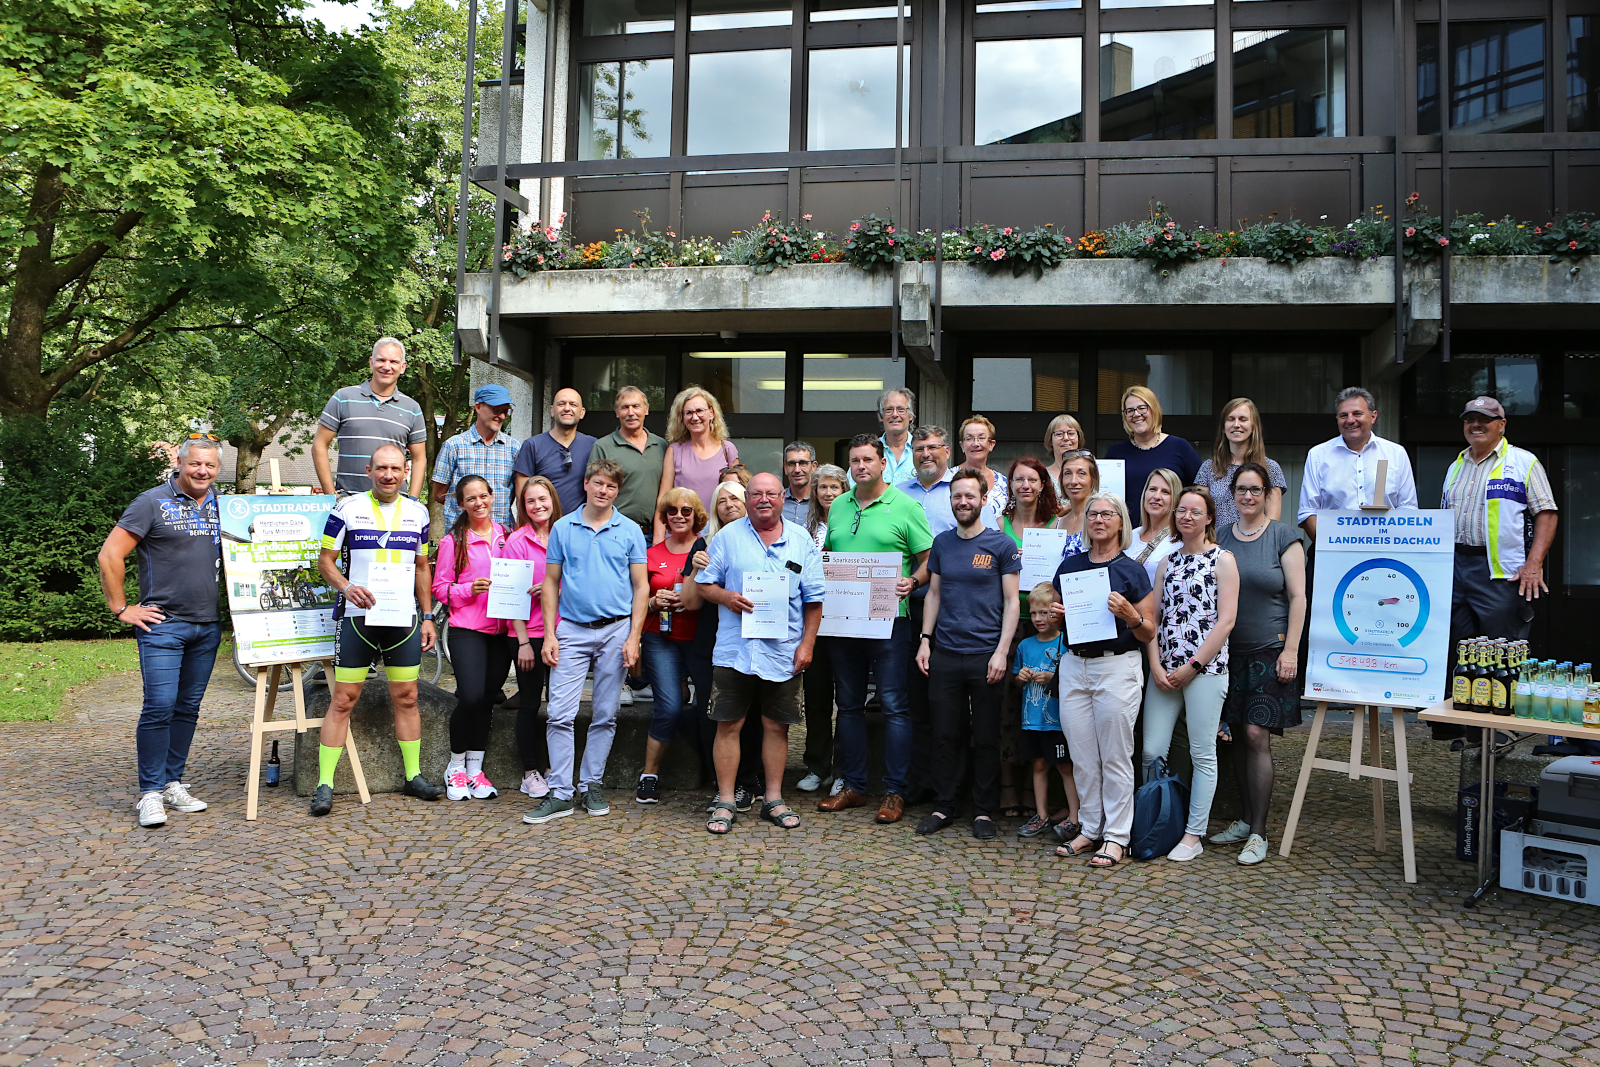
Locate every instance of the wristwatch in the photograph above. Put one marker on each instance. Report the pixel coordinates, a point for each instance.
(1198, 667)
(927, 637)
(427, 616)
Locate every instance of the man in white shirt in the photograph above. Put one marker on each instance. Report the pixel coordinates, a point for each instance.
(1342, 474)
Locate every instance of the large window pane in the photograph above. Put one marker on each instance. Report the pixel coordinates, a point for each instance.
(761, 455)
(1025, 383)
(850, 10)
(1104, 4)
(743, 382)
(1582, 380)
(1029, 5)
(628, 16)
(1496, 77)
(838, 381)
(1180, 380)
(1028, 92)
(597, 379)
(1583, 75)
(1444, 388)
(738, 14)
(1158, 86)
(1289, 382)
(1580, 519)
(624, 104)
(739, 102)
(850, 98)
(1288, 83)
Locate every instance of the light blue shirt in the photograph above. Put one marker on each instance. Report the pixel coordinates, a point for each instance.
(595, 580)
(737, 550)
(935, 500)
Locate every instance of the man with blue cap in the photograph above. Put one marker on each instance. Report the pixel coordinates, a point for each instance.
(482, 450)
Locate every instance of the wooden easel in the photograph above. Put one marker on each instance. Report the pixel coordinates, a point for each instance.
(264, 724)
(1400, 776)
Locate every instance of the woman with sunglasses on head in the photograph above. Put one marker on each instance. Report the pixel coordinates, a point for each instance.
(698, 449)
(1156, 538)
(1080, 479)
(538, 507)
(665, 649)
(1197, 600)
(1263, 651)
(1239, 441)
(1063, 435)
(828, 483)
(1147, 448)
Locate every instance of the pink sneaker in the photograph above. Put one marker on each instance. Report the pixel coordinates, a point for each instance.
(482, 788)
(456, 784)
(534, 785)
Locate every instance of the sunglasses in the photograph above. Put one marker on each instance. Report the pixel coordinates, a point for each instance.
(566, 459)
(206, 436)
(686, 510)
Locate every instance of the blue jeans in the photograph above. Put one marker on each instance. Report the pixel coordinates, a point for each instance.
(666, 665)
(888, 661)
(175, 658)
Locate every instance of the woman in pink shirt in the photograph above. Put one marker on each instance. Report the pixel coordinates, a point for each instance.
(698, 450)
(479, 653)
(538, 507)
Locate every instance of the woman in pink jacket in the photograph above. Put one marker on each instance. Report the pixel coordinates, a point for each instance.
(537, 510)
(479, 652)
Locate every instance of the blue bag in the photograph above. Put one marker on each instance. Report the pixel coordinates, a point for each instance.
(1160, 812)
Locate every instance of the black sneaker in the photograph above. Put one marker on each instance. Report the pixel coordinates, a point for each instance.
(423, 789)
(983, 829)
(649, 791)
(322, 800)
(743, 799)
(933, 822)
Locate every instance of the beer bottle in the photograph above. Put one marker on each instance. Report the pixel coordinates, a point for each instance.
(1461, 680)
(1500, 685)
(274, 767)
(1481, 673)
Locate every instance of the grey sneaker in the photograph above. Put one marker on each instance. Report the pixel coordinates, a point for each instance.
(177, 796)
(551, 807)
(1255, 850)
(152, 812)
(594, 801)
(1236, 832)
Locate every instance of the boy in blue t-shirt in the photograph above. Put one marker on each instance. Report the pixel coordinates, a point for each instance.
(1034, 667)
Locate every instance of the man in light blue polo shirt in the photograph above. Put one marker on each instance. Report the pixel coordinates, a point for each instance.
(759, 674)
(595, 571)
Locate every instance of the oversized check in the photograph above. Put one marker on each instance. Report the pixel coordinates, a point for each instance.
(860, 599)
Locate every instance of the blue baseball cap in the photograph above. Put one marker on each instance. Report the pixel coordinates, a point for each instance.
(493, 395)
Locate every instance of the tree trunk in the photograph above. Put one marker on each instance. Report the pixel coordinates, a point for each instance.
(249, 458)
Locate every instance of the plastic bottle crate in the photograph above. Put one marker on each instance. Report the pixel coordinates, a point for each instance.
(1552, 860)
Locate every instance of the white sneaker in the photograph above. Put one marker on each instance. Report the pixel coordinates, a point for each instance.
(627, 697)
(1255, 850)
(534, 785)
(838, 787)
(810, 783)
(152, 812)
(481, 788)
(1182, 853)
(457, 786)
(1237, 831)
(177, 796)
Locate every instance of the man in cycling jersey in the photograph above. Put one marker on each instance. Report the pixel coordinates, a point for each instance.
(385, 536)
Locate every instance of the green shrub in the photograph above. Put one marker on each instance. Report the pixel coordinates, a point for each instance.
(66, 482)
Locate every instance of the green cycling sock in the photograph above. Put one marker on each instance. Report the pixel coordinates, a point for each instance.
(327, 760)
(411, 753)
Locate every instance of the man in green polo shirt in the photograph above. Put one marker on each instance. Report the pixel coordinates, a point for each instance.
(876, 517)
(640, 454)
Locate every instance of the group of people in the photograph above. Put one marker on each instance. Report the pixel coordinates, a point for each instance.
(652, 557)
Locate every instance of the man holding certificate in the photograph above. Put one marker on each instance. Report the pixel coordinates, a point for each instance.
(1107, 610)
(967, 626)
(385, 537)
(765, 576)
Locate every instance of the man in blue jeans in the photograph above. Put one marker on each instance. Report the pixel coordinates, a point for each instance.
(876, 517)
(177, 625)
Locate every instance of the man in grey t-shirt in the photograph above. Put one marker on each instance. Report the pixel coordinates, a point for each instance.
(365, 416)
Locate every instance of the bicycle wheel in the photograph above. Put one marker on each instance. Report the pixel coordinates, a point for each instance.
(247, 673)
(434, 659)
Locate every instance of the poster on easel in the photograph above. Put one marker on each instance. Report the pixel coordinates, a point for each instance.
(281, 605)
(1380, 607)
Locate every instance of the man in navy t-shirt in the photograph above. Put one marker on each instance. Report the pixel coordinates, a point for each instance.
(967, 624)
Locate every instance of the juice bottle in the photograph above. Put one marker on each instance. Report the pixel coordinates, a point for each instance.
(1591, 708)
(1524, 698)
(1541, 690)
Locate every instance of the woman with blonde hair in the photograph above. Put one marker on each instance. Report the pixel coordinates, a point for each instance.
(1080, 479)
(1240, 441)
(1147, 448)
(698, 449)
(1062, 436)
(1156, 536)
(538, 507)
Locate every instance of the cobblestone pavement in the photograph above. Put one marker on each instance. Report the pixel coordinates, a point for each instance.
(451, 934)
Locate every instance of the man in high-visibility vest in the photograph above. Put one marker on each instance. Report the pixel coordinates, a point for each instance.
(1494, 488)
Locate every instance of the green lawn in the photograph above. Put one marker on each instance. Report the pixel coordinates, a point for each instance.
(35, 676)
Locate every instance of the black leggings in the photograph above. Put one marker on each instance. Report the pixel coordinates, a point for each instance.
(481, 662)
(531, 744)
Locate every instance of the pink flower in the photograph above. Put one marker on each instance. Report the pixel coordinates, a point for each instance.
(786, 238)
(890, 230)
(891, 242)
(1006, 231)
(1411, 231)
(1572, 244)
(508, 253)
(1150, 240)
(998, 254)
(1537, 230)
(1443, 241)
(854, 226)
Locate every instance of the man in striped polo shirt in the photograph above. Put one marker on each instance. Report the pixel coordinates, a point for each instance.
(365, 416)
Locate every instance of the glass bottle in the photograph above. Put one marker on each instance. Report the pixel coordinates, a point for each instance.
(1480, 678)
(1560, 683)
(1501, 685)
(274, 765)
(1523, 705)
(1591, 708)
(1541, 690)
(1461, 679)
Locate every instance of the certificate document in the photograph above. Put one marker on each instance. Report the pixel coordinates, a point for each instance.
(1041, 555)
(770, 595)
(859, 597)
(509, 582)
(394, 585)
(1114, 479)
(1084, 595)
